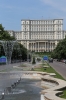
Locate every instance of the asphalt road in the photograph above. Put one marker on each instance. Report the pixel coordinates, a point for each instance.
(60, 68)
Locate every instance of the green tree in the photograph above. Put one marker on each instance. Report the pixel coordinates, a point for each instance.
(18, 53)
(4, 35)
(60, 51)
(33, 60)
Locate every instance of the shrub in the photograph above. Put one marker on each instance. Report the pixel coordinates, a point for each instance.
(33, 60)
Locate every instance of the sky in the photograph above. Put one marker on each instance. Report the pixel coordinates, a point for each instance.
(13, 11)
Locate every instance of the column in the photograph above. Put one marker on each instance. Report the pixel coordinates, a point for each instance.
(27, 45)
(53, 46)
(45, 46)
(50, 46)
(31, 46)
(38, 46)
(35, 47)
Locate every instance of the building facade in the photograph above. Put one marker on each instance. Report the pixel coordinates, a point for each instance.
(40, 35)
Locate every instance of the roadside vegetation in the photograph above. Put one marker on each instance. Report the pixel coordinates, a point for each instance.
(60, 51)
(4, 35)
(19, 52)
(33, 62)
(64, 94)
(41, 54)
(51, 70)
(48, 70)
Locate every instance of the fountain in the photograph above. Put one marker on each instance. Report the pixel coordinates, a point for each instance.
(8, 48)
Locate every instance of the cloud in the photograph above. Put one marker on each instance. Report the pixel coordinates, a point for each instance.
(57, 4)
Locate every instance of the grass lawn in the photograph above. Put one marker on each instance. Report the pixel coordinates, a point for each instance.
(49, 70)
(22, 65)
(64, 94)
(42, 54)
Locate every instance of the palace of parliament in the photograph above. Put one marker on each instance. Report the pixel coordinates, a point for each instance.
(40, 35)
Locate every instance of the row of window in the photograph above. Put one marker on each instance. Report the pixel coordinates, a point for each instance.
(42, 34)
(58, 37)
(42, 22)
(43, 46)
(38, 26)
(41, 37)
(42, 29)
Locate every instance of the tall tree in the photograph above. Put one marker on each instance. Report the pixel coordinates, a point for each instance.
(4, 35)
(60, 51)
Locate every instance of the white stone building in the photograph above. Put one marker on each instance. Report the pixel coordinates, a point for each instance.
(64, 34)
(40, 35)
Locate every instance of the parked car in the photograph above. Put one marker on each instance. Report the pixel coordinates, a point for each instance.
(64, 60)
(51, 60)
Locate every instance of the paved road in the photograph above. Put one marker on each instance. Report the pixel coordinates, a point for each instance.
(60, 68)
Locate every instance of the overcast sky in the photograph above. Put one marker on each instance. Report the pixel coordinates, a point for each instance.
(12, 11)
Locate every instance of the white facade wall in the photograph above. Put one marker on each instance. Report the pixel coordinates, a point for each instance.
(42, 29)
(64, 34)
(40, 35)
(18, 35)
